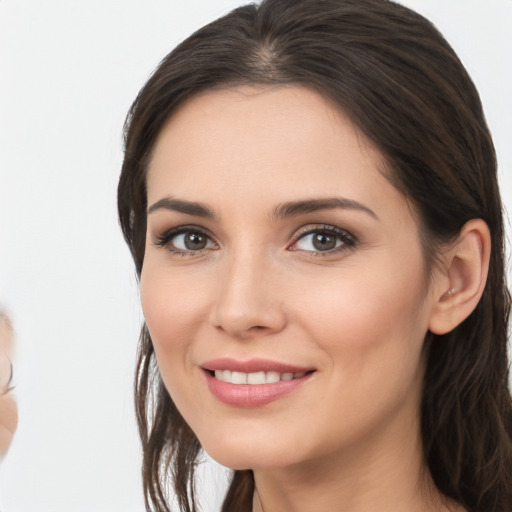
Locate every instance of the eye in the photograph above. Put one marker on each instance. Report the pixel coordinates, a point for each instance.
(324, 239)
(186, 240)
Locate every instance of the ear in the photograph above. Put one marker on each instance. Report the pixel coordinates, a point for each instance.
(464, 274)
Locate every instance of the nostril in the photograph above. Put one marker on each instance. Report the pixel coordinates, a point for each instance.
(258, 328)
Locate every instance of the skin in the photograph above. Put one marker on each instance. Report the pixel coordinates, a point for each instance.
(348, 439)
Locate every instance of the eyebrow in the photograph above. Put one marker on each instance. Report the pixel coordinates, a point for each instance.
(281, 211)
(292, 208)
(178, 205)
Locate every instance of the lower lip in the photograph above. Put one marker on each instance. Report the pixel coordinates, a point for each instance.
(252, 395)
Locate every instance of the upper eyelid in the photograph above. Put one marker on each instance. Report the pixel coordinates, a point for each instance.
(323, 227)
(184, 229)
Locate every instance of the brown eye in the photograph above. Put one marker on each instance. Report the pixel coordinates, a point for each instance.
(185, 240)
(194, 241)
(326, 239)
(323, 241)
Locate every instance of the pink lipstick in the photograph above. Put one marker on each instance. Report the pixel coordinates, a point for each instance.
(253, 383)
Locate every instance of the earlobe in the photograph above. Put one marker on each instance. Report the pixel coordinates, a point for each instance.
(466, 266)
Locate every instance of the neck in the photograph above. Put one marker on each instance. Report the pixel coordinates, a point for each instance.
(386, 472)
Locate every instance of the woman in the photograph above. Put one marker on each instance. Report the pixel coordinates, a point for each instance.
(309, 194)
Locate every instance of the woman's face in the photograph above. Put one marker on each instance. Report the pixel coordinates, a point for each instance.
(279, 255)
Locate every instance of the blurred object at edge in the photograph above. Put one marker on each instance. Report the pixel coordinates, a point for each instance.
(8, 407)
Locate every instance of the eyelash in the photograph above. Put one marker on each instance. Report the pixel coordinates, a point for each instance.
(165, 239)
(348, 241)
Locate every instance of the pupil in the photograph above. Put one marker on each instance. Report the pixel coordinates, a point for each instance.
(324, 242)
(195, 241)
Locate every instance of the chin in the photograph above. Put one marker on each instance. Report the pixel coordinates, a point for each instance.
(241, 461)
(251, 454)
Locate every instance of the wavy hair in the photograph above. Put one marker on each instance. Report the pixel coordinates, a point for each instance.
(400, 82)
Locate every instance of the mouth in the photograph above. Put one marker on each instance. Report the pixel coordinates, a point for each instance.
(253, 383)
(256, 378)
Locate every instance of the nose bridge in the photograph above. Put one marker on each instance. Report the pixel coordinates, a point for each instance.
(248, 300)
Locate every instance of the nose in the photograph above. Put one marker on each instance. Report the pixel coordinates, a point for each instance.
(249, 302)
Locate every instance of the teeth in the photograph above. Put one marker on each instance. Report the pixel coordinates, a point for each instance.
(239, 378)
(273, 377)
(256, 377)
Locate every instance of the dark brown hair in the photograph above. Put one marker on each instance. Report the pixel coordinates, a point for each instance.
(400, 82)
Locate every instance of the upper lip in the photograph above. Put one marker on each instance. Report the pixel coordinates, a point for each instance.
(253, 365)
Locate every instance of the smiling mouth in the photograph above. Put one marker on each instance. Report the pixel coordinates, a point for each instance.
(255, 378)
(254, 383)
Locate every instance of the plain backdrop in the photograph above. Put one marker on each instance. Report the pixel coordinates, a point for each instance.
(69, 70)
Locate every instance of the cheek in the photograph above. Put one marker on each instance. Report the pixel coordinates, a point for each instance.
(370, 331)
(174, 310)
(373, 320)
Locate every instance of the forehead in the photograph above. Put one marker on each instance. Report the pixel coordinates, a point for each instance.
(263, 135)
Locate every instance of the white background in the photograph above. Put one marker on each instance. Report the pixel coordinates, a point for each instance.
(69, 70)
